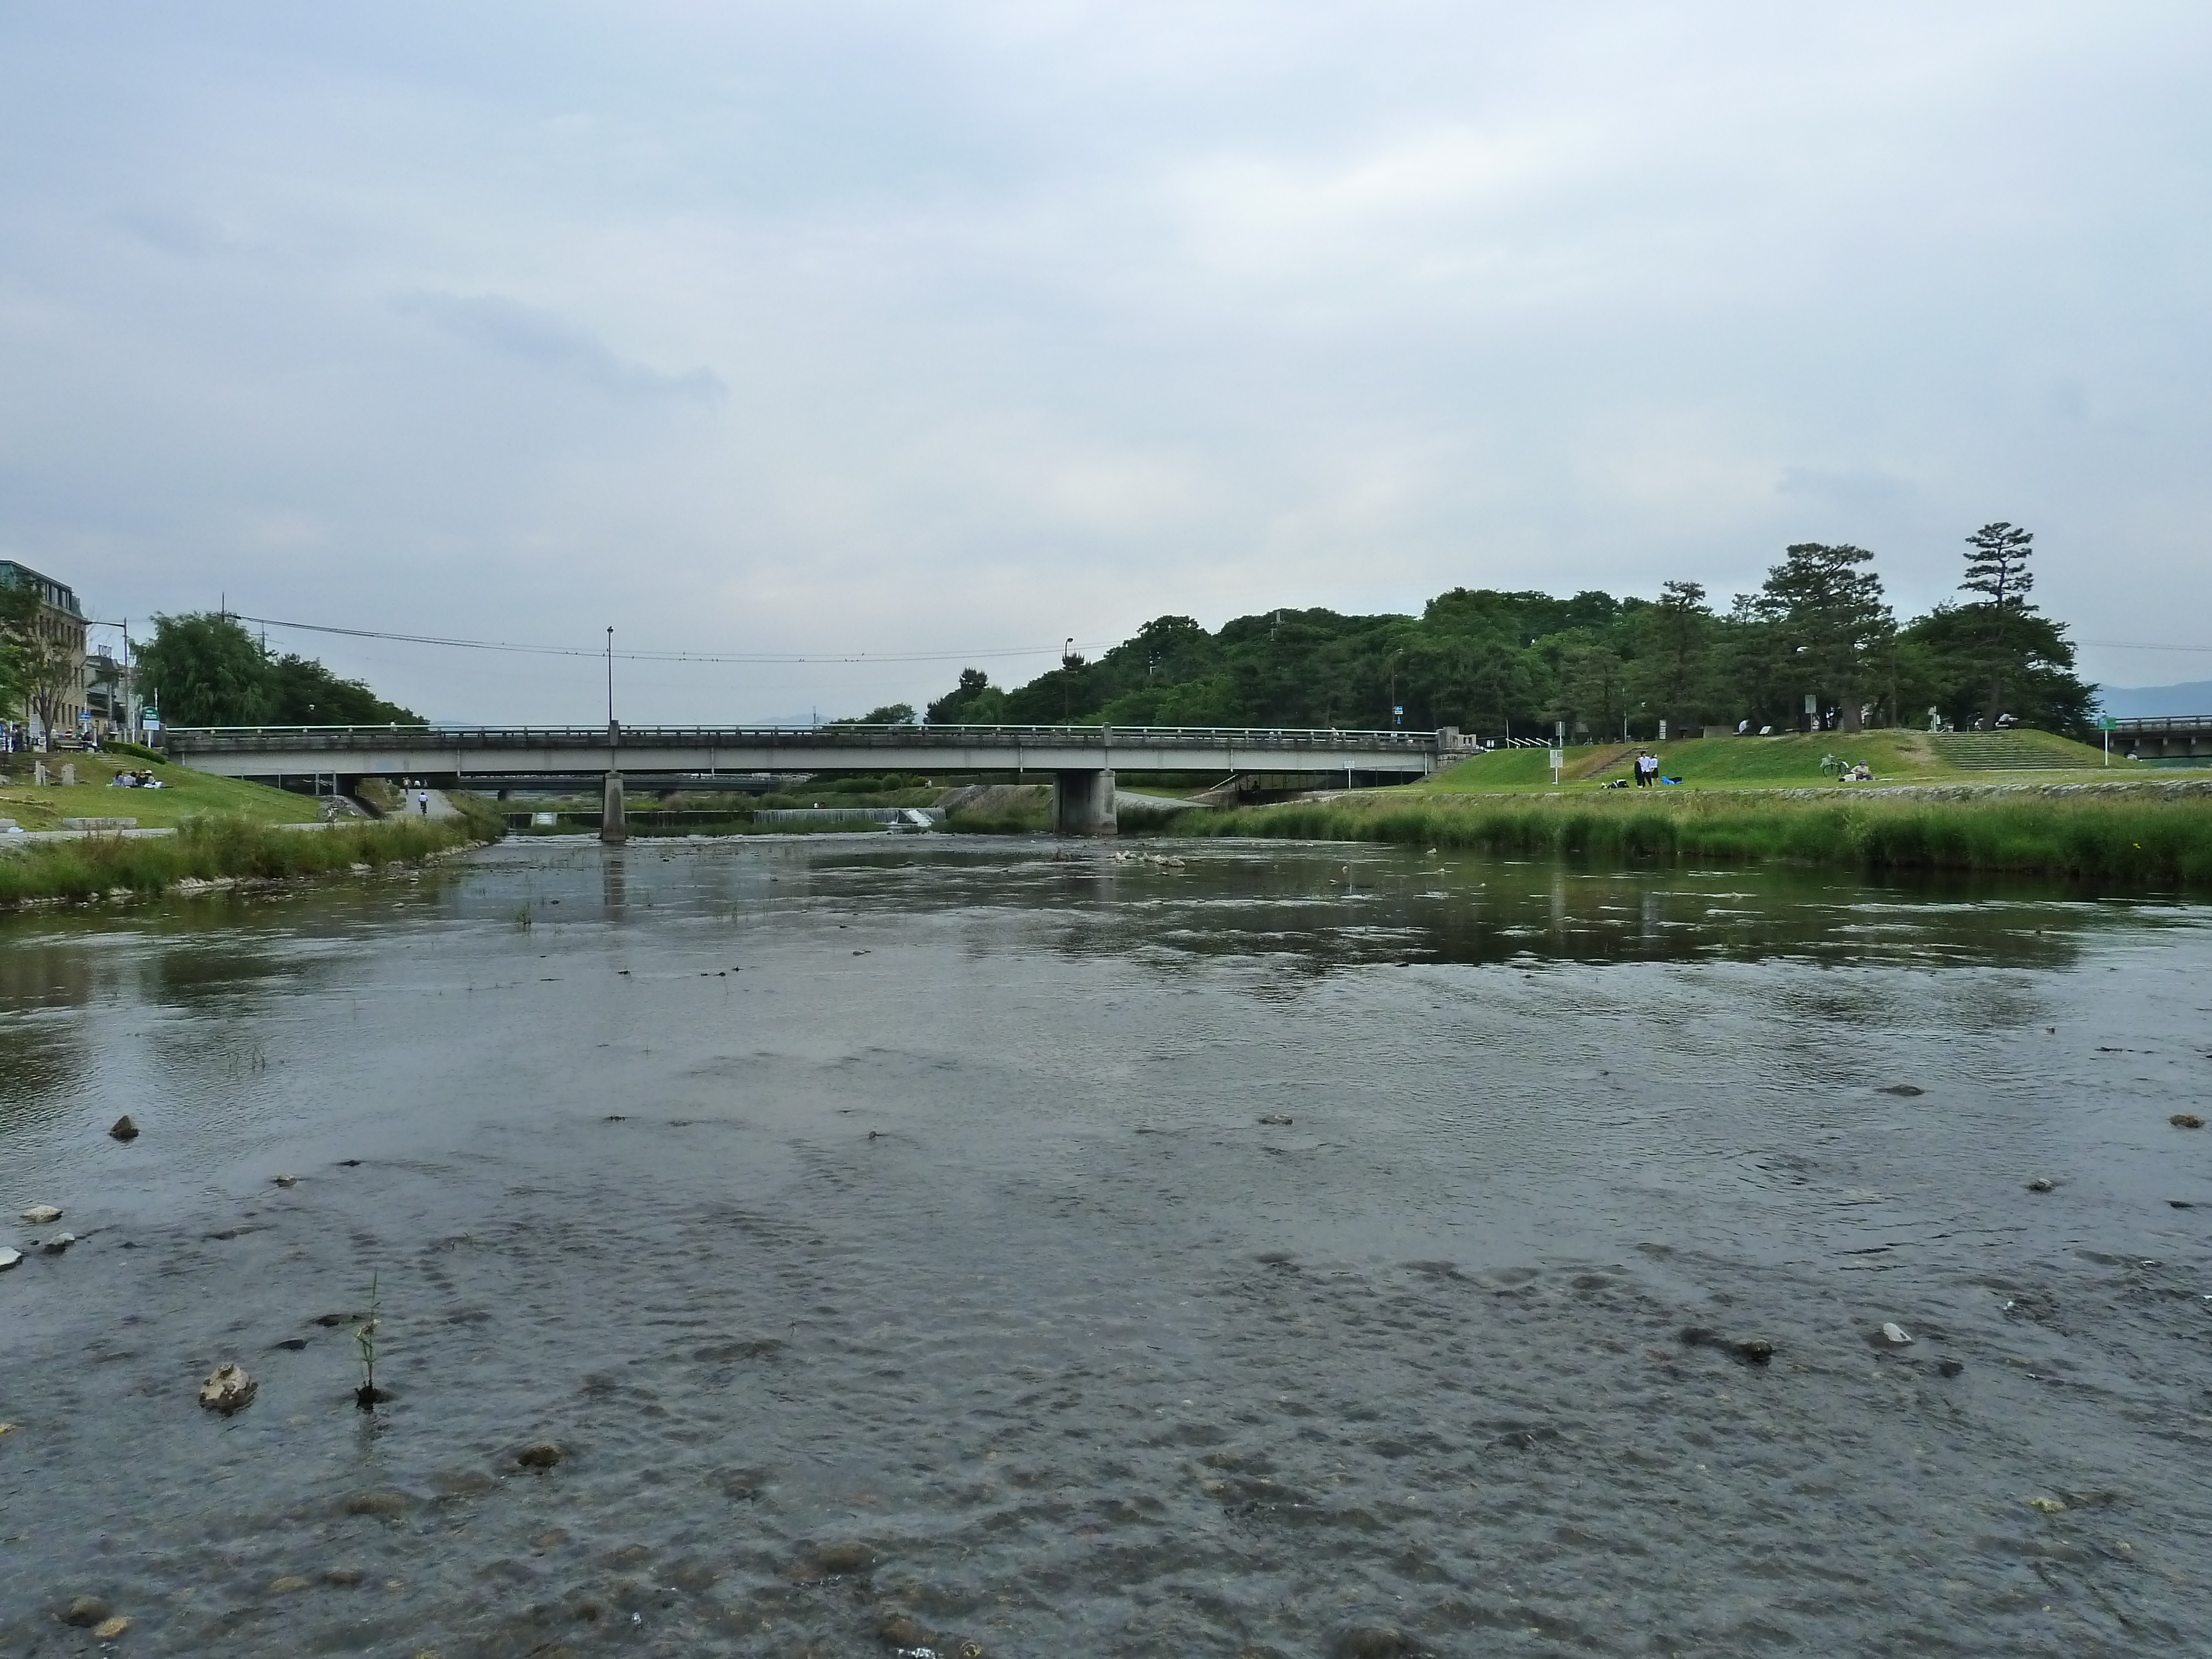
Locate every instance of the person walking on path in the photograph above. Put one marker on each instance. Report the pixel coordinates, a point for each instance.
(422, 802)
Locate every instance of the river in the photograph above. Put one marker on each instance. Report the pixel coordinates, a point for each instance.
(987, 1246)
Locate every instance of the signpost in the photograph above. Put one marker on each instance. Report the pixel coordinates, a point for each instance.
(2105, 724)
(1559, 760)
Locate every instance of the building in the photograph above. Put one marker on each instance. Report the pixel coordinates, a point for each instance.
(54, 703)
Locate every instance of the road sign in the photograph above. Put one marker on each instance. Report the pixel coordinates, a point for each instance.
(2106, 723)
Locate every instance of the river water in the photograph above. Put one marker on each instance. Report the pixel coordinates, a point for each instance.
(893, 1238)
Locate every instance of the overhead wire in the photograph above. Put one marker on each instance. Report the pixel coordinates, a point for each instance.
(600, 653)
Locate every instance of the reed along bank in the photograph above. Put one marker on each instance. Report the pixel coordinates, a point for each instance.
(2160, 839)
(219, 849)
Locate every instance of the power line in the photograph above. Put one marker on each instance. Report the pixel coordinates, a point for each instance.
(2118, 644)
(657, 656)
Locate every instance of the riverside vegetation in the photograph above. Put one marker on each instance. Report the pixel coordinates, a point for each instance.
(2140, 838)
(222, 848)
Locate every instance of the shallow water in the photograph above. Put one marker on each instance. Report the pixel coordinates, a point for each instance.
(887, 1228)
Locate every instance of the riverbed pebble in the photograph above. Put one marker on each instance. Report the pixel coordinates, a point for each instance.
(2041, 1184)
(1372, 1642)
(8, 1258)
(108, 1629)
(343, 1577)
(58, 1242)
(229, 1389)
(2186, 1121)
(85, 1612)
(290, 1584)
(1895, 1334)
(125, 1129)
(39, 1214)
(539, 1457)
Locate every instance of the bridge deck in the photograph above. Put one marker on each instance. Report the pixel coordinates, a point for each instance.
(514, 751)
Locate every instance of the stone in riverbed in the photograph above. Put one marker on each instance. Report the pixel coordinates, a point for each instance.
(108, 1629)
(343, 1577)
(899, 1630)
(384, 1504)
(2186, 1121)
(2041, 1184)
(1372, 1642)
(1757, 1350)
(539, 1457)
(125, 1129)
(289, 1584)
(229, 1389)
(1895, 1334)
(39, 1214)
(85, 1612)
(8, 1258)
(58, 1242)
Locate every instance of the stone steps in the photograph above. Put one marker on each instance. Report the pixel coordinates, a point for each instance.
(1997, 752)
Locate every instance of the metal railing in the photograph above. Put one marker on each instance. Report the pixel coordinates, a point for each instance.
(250, 739)
(2172, 723)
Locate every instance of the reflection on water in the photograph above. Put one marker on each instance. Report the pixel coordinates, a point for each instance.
(1283, 1251)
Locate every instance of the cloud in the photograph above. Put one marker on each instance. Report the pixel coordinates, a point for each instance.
(512, 329)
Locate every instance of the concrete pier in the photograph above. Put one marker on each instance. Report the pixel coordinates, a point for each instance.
(1083, 803)
(614, 824)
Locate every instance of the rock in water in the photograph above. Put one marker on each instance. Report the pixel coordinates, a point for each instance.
(125, 1129)
(229, 1389)
(8, 1258)
(539, 1457)
(59, 1243)
(1755, 1349)
(286, 1180)
(1895, 1334)
(2040, 1184)
(108, 1629)
(85, 1612)
(2186, 1121)
(39, 1214)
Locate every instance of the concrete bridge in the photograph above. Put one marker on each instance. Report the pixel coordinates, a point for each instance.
(2166, 735)
(1081, 760)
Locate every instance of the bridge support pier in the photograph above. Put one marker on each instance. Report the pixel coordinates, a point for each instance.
(614, 824)
(1083, 803)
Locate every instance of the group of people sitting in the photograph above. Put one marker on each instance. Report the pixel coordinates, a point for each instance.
(142, 779)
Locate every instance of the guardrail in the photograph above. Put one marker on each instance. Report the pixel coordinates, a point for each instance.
(2174, 723)
(249, 738)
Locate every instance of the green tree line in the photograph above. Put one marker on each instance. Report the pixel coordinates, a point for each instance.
(203, 668)
(1515, 663)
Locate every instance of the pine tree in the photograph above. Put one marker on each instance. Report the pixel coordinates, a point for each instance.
(1997, 566)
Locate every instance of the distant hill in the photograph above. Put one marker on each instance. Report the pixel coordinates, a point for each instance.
(2141, 702)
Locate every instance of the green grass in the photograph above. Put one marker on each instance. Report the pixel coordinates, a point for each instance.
(2129, 840)
(1792, 760)
(214, 849)
(186, 794)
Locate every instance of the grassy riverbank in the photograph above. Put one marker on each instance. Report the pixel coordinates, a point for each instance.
(2135, 840)
(216, 849)
(1792, 759)
(184, 793)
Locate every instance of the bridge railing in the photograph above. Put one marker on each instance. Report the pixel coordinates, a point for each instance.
(205, 739)
(2175, 723)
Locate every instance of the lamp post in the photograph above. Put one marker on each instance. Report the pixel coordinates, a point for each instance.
(614, 825)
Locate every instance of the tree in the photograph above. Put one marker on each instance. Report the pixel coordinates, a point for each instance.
(19, 616)
(891, 713)
(1828, 615)
(1948, 649)
(203, 668)
(1673, 671)
(1997, 567)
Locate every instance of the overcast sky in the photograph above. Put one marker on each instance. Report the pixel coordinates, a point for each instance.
(957, 327)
